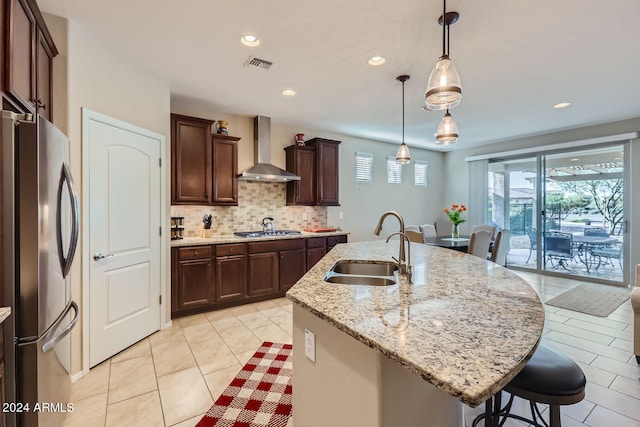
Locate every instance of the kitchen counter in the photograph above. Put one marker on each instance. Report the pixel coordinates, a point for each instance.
(466, 325)
(230, 238)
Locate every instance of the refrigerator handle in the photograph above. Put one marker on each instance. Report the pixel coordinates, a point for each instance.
(66, 177)
(48, 345)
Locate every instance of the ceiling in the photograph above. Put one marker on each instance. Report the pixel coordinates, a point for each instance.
(516, 59)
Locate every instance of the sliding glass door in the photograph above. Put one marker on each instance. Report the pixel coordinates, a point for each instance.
(565, 211)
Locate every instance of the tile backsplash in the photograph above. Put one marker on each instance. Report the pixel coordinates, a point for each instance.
(255, 201)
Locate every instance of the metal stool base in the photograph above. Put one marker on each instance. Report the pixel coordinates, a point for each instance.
(496, 416)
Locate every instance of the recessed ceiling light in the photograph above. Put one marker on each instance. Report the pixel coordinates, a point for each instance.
(575, 159)
(289, 92)
(376, 60)
(250, 40)
(562, 105)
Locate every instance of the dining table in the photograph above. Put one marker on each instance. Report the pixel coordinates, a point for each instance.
(460, 243)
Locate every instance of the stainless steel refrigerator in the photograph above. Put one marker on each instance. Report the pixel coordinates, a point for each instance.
(41, 226)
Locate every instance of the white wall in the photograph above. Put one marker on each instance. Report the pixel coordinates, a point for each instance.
(361, 204)
(89, 73)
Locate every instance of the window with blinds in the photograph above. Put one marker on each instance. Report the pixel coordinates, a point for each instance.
(394, 171)
(364, 167)
(420, 168)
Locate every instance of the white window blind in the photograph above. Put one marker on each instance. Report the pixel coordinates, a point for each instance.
(364, 167)
(420, 168)
(394, 171)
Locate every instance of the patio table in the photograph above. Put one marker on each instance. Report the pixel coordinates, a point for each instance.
(585, 243)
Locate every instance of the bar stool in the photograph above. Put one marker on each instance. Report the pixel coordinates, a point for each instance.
(548, 377)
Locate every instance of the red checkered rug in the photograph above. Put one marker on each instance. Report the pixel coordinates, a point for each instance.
(260, 395)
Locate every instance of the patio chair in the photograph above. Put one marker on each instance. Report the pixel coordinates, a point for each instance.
(606, 255)
(596, 231)
(533, 245)
(558, 247)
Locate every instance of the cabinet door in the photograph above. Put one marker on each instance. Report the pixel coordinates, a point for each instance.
(191, 172)
(231, 277)
(314, 255)
(263, 273)
(292, 267)
(44, 59)
(225, 170)
(195, 286)
(20, 58)
(328, 171)
(302, 162)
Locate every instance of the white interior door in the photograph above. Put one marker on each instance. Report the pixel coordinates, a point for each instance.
(124, 235)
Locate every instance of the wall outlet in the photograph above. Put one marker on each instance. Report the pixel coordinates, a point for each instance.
(305, 216)
(341, 215)
(310, 345)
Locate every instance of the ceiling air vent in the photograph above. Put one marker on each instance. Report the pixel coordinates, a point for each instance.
(254, 62)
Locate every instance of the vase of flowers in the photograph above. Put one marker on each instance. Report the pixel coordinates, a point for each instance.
(455, 217)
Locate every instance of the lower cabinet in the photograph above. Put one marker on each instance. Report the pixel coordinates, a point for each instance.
(231, 272)
(207, 277)
(193, 274)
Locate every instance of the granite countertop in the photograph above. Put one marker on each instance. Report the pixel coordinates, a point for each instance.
(465, 325)
(216, 240)
(4, 313)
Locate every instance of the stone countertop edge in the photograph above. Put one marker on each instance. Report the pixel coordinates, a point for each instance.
(462, 333)
(4, 313)
(217, 240)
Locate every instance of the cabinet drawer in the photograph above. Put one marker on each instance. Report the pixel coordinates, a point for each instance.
(316, 242)
(194, 252)
(334, 240)
(232, 249)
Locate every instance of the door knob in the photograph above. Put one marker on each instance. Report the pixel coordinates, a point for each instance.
(98, 256)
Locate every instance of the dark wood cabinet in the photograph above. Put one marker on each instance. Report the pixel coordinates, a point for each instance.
(208, 277)
(204, 166)
(334, 240)
(28, 58)
(328, 170)
(231, 272)
(191, 163)
(192, 278)
(301, 160)
(318, 165)
(316, 249)
(225, 170)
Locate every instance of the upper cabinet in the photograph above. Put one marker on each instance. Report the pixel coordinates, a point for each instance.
(28, 58)
(204, 166)
(317, 163)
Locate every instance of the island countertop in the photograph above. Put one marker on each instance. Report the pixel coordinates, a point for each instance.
(465, 325)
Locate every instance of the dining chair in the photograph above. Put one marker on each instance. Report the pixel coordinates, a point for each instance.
(501, 247)
(412, 228)
(479, 244)
(428, 230)
(484, 227)
(414, 236)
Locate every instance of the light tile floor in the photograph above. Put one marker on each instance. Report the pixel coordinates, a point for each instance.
(172, 377)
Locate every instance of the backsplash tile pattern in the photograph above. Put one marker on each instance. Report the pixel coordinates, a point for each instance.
(255, 201)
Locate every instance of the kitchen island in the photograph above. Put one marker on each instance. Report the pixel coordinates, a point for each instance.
(409, 354)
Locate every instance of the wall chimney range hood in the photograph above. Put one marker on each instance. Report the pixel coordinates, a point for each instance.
(263, 170)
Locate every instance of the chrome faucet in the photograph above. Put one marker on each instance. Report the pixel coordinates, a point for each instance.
(405, 268)
(401, 256)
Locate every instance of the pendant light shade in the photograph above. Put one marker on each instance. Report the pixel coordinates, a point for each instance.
(447, 133)
(402, 155)
(444, 89)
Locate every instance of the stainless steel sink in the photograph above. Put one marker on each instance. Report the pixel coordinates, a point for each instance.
(362, 272)
(365, 267)
(360, 280)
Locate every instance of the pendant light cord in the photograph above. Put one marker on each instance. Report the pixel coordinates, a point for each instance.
(403, 112)
(444, 20)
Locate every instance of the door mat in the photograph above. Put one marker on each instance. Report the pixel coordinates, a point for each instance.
(592, 298)
(260, 395)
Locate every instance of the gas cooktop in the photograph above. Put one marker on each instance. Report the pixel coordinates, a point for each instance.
(266, 233)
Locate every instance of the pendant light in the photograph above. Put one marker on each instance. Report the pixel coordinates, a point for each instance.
(402, 155)
(444, 90)
(447, 133)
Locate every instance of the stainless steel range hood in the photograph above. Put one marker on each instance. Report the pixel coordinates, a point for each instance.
(263, 170)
